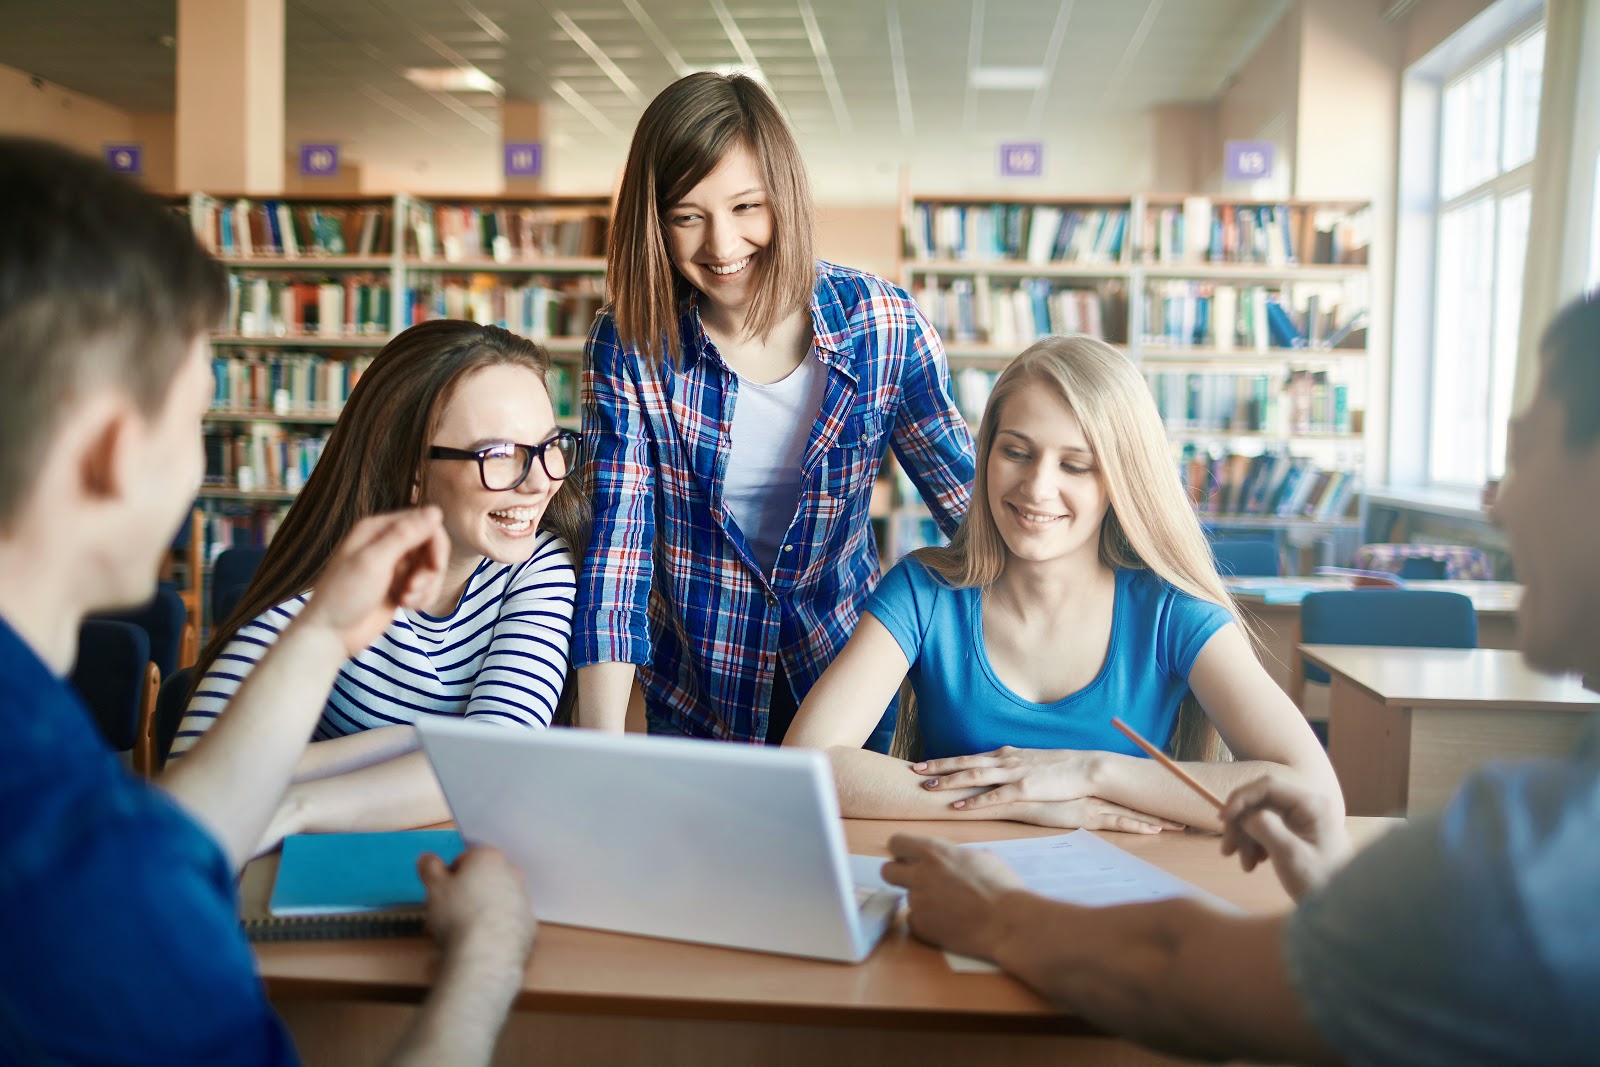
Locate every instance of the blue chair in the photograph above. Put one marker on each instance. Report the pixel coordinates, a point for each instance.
(165, 620)
(171, 703)
(117, 681)
(1400, 618)
(1247, 559)
(1422, 567)
(230, 578)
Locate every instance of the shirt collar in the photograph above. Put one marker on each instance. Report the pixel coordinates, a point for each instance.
(829, 326)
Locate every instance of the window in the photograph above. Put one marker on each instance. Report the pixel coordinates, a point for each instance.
(1489, 120)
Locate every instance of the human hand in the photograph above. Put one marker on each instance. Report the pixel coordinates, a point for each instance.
(1088, 813)
(386, 562)
(953, 892)
(1294, 827)
(1013, 774)
(480, 901)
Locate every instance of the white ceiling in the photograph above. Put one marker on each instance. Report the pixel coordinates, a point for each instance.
(867, 71)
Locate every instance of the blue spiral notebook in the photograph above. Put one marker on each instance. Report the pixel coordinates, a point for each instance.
(349, 885)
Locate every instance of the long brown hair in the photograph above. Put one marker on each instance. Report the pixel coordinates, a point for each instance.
(376, 460)
(682, 136)
(1149, 523)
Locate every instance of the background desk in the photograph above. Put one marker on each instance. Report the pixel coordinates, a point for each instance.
(609, 1000)
(1406, 725)
(1278, 624)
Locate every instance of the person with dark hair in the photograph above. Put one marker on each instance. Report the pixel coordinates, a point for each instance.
(739, 398)
(1463, 937)
(457, 415)
(118, 919)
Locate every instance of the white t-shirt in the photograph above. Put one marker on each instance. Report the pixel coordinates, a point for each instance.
(771, 428)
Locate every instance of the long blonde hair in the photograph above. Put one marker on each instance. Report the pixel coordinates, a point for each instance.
(1149, 524)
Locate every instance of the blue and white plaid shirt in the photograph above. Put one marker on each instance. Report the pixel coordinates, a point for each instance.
(669, 581)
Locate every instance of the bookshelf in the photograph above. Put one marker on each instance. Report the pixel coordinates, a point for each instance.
(1247, 318)
(317, 284)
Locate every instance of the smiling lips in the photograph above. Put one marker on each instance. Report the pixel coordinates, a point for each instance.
(515, 520)
(1034, 518)
(731, 268)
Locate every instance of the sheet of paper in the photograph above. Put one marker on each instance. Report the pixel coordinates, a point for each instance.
(1081, 868)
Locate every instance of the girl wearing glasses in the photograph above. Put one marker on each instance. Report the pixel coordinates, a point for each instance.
(455, 415)
(739, 399)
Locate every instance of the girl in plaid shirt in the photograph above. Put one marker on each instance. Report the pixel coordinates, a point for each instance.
(739, 398)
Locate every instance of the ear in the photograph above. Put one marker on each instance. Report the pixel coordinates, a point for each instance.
(105, 465)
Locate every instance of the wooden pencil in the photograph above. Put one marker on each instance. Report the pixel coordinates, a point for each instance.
(1162, 758)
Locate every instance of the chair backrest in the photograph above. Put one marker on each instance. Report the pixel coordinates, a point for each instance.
(230, 577)
(1421, 567)
(1247, 559)
(117, 681)
(165, 621)
(1402, 618)
(170, 706)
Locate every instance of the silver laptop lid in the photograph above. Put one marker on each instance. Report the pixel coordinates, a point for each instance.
(727, 844)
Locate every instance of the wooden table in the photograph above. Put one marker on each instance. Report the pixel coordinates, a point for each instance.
(1408, 724)
(1277, 622)
(606, 1000)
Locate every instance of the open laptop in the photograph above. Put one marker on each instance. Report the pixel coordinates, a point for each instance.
(725, 844)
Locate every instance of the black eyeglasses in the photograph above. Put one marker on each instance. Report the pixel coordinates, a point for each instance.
(504, 465)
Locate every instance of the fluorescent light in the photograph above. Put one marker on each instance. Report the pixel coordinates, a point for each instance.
(1028, 78)
(453, 80)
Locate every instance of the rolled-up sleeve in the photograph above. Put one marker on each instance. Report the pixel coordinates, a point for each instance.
(610, 624)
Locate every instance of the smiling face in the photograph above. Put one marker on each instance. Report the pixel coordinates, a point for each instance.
(1044, 486)
(718, 233)
(1549, 506)
(501, 403)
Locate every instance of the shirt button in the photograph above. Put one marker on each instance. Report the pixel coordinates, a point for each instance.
(772, 600)
(788, 548)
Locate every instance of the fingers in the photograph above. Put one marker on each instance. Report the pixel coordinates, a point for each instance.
(909, 848)
(999, 796)
(432, 871)
(973, 778)
(951, 764)
(1267, 792)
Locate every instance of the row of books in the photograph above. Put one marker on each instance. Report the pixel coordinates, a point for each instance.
(1013, 316)
(238, 524)
(1272, 234)
(279, 306)
(1306, 401)
(1182, 314)
(1270, 484)
(277, 228)
(1033, 233)
(536, 309)
(261, 457)
(505, 233)
(276, 382)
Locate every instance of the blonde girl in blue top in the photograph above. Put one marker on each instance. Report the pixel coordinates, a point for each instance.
(1079, 587)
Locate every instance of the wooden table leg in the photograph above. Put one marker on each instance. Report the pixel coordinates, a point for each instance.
(1370, 748)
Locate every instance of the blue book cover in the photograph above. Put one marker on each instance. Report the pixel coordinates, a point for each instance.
(334, 874)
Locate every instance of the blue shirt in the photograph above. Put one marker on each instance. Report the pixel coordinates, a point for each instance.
(963, 707)
(672, 584)
(1468, 937)
(119, 932)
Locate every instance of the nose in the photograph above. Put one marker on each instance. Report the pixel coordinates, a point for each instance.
(537, 482)
(722, 238)
(1038, 484)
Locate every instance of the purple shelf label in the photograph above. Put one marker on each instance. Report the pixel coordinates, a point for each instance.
(125, 158)
(319, 160)
(1022, 159)
(524, 159)
(1248, 161)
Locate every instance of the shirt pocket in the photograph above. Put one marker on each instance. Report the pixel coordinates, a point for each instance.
(853, 460)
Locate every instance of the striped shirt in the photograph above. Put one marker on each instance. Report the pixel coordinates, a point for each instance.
(671, 583)
(500, 657)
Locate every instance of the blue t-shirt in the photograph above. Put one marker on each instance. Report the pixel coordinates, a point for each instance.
(118, 927)
(1467, 937)
(963, 707)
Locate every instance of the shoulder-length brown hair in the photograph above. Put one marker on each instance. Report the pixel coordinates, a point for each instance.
(685, 132)
(1149, 525)
(376, 460)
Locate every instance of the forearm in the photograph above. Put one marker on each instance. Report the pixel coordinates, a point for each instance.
(400, 794)
(341, 755)
(1147, 786)
(603, 691)
(460, 1021)
(1176, 975)
(874, 786)
(233, 778)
